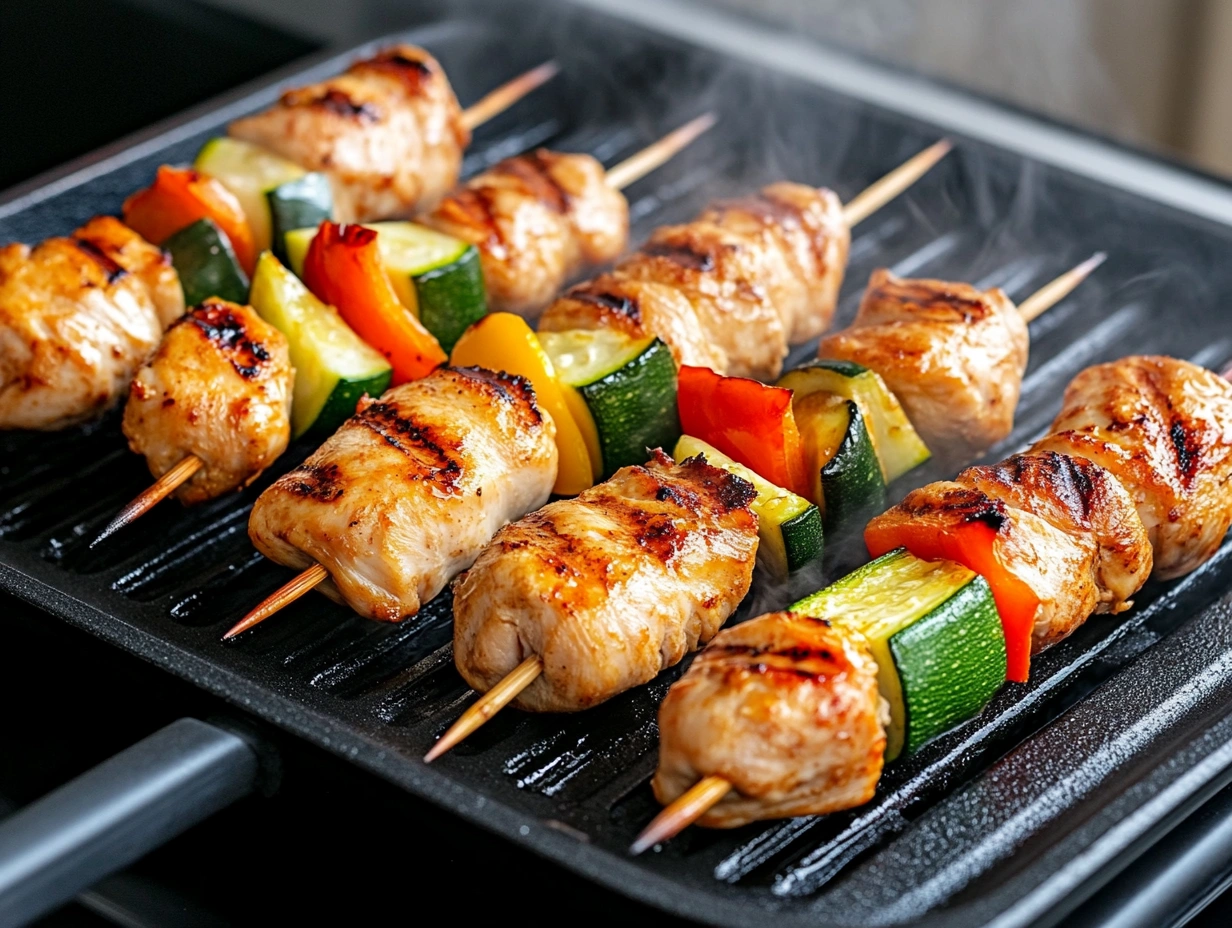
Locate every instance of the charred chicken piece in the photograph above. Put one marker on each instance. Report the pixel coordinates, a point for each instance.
(1058, 568)
(786, 708)
(1088, 504)
(953, 355)
(388, 132)
(538, 220)
(755, 273)
(408, 491)
(1164, 428)
(219, 387)
(610, 587)
(78, 315)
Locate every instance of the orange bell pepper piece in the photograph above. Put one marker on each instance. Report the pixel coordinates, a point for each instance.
(343, 267)
(178, 198)
(747, 420)
(974, 545)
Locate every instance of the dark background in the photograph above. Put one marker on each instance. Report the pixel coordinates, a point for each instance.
(333, 844)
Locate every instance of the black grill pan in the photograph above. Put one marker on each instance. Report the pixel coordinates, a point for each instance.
(1010, 820)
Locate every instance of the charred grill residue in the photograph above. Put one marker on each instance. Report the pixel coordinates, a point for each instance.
(322, 482)
(108, 264)
(420, 443)
(1188, 447)
(226, 332)
(508, 388)
(337, 101)
(969, 505)
(623, 305)
(682, 255)
(411, 71)
(534, 170)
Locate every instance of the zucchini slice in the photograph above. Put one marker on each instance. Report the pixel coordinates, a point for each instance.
(933, 628)
(899, 448)
(436, 276)
(333, 366)
(788, 525)
(629, 386)
(206, 264)
(842, 463)
(277, 195)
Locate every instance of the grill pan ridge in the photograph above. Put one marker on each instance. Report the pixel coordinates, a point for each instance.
(1012, 818)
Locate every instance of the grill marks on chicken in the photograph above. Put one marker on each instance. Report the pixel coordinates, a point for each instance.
(388, 132)
(219, 387)
(1164, 428)
(730, 290)
(786, 708)
(608, 588)
(408, 491)
(953, 355)
(538, 220)
(78, 315)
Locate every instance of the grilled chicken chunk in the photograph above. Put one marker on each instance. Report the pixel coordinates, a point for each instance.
(1164, 428)
(953, 355)
(219, 387)
(1058, 568)
(78, 315)
(408, 491)
(1085, 502)
(608, 588)
(755, 273)
(538, 220)
(388, 133)
(787, 709)
(640, 309)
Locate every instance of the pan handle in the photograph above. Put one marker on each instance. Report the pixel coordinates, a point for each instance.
(118, 811)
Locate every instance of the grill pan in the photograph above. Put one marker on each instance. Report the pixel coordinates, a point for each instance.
(1013, 818)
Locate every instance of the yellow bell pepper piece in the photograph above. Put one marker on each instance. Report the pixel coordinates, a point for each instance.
(504, 342)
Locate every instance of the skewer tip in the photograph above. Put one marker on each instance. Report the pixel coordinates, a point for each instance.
(681, 813)
(509, 93)
(285, 595)
(882, 191)
(658, 153)
(1059, 288)
(487, 706)
(151, 496)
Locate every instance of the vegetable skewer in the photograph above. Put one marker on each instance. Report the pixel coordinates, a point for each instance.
(1080, 504)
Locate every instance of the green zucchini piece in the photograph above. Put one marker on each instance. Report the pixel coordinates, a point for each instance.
(933, 628)
(206, 264)
(847, 480)
(306, 201)
(277, 195)
(899, 447)
(789, 526)
(334, 367)
(436, 276)
(629, 386)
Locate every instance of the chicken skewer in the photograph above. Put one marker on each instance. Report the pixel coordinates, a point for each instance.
(538, 219)
(732, 289)
(605, 590)
(388, 133)
(1077, 521)
(501, 694)
(189, 466)
(408, 491)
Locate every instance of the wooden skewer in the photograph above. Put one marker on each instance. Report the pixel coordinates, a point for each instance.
(637, 166)
(682, 812)
(155, 493)
(286, 594)
(488, 705)
(1056, 290)
(508, 94)
(881, 192)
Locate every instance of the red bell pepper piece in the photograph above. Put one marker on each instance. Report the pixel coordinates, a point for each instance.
(181, 196)
(343, 267)
(747, 420)
(975, 545)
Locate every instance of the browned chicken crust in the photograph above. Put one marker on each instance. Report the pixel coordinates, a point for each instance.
(78, 315)
(953, 355)
(219, 387)
(1164, 428)
(1085, 502)
(388, 133)
(755, 274)
(538, 220)
(409, 490)
(787, 709)
(608, 588)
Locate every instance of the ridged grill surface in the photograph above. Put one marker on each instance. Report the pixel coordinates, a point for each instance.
(576, 786)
